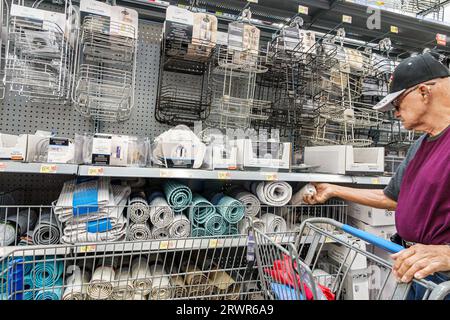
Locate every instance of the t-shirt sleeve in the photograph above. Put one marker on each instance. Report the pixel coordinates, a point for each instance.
(392, 190)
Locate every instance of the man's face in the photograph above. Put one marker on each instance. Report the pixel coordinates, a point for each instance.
(411, 110)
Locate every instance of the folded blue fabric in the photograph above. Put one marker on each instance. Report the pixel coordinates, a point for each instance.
(101, 225)
(46, 274)
(283, 292)
(85, 201)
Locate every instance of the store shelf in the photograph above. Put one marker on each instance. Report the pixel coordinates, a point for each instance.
(24, 251)
(44, 168)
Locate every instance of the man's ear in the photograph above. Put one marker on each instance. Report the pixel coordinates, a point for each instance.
(425, 92)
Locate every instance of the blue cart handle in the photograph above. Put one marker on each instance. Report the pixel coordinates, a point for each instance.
(372, 239)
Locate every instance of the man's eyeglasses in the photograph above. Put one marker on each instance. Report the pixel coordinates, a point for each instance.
(396, 103)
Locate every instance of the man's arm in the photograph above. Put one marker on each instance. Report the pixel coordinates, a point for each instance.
(368, 197)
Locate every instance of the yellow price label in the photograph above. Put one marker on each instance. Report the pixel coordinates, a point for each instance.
(394, 29)
(303, 10)
(165, 173)
(163, 245)
(93, 171)
(2, 166)
(329, 240)
(253, 1)
(87, 249)
(213, 243)
(380, 3)
(376, 181)
(48, 168)
(346, 19)
(271, 176)
(223, 175)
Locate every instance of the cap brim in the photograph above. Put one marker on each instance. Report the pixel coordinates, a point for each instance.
(386, 103)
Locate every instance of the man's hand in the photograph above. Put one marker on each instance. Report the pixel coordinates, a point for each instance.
(325, 191)
(420, 261)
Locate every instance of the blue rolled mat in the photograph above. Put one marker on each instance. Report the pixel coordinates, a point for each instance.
(200, 210)
(178, 195)
(215, 225)
(230, 209)
(232, 229)
(51, 293)
(46, 274)
(28, 288)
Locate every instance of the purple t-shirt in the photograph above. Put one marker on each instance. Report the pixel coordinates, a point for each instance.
(423, 206)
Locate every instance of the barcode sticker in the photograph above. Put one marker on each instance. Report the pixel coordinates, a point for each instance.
(48, 168)
(94, 171)
(163, 245)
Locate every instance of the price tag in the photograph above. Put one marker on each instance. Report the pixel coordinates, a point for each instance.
(172, 244)
(213, 243)
(271, 176)
(93, 171)
(87, 249)
(303, 10)
(346, 19)
(441, 39)
(394, 29)
(329, 240)
(163, 245)
(223, 175)
(380, 3)
(252, 1)
(376, 181)
(48, 168)
(2, 166)
(165, 173)
(219, 13)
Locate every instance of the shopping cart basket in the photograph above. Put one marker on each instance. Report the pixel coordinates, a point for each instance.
(326, 259)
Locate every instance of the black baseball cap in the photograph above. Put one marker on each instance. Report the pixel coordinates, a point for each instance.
(409, 73)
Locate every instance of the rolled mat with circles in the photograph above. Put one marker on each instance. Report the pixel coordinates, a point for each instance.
(161, 287)
(138, 210)
(230, 209)
(160, 233)
(273, 223)
(139, 231)
(29, 291)
(100, 287)
(54, 293)
(178, 287)
(161, 214)
(14, 224)
(195, 277)
(76, 286)
(232, 229)
(140, 273)
(275, 193)
(216, 225)
(250, 201)
(178, 195)
(46, 273)
(244, 225)
(47, 230)
(199, 232)
(180, 227)
(123, 288)
(200, 210)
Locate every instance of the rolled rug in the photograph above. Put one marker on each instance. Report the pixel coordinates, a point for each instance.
(216, 225)
(137, 296)
(180, 227)
(244, 225)
(178, 195)
(46, 273)
(195, 277)
(178, 287)
(220, 280)
(139, 232)
(230, 209)
(138, 210)
(76, 284)
(29, 291)
(52, 293)
(274, 193)
(161, 214)
(199, 232)
(100, 287)
(250, 201)
(14, 224)
(123, 288)
(47, 230)
(273, 223)
(160, 233)
(161, 288)
(140, 273)
(100, 230)
(297, 198)
(200, 210)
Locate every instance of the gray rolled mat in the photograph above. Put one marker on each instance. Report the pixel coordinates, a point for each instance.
(138, 210)
(47, 230)
(178, 195)
(180, 227)
(139, 231)
(250, 201)
(160, 233)
(216, 225)
(200, 210)
(161, 214)
(14, 224)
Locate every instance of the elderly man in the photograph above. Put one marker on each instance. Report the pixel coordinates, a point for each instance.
(419, 191)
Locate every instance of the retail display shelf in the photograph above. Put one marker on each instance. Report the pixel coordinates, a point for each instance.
(44, 168)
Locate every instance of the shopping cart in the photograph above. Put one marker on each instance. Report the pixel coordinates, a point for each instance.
(331, 260)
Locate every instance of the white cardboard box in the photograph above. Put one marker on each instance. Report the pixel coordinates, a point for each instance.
(356, 285)
(378, 274)
(372, 216)
(338, 253)
(384, 232)
(13, 147)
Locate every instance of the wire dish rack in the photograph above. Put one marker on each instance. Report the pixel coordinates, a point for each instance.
(105, 64)
(38, 61)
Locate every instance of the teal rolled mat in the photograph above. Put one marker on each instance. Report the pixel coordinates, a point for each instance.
(178, 195)
(28, 288)
(215, 225)
(200, 210)
(3, 278)
(233, 230)
(46, 274)
(199, 232)
(51, 293)
(230, 209)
